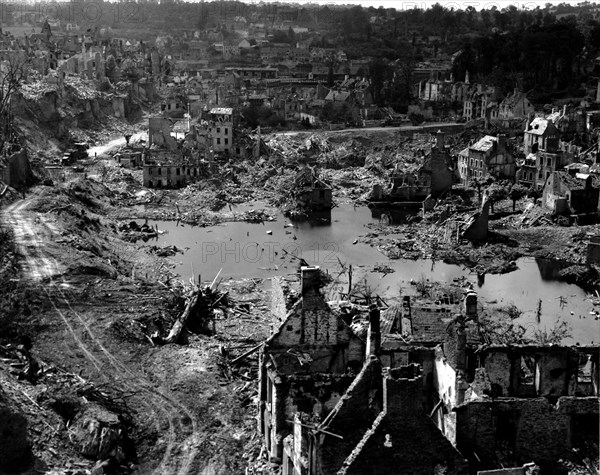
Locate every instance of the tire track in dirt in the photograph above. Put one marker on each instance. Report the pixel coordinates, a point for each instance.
(40, 267)
(150, 407)
(194, 439)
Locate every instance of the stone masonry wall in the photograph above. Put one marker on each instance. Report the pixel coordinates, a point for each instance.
(527, 429)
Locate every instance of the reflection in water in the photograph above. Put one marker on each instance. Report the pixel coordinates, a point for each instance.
(549, 268)
(317, 218)
(330, 240)
(392, 215)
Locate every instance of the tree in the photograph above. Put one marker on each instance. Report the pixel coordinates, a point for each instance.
(291, 36)
(203, 17)
(480, 182)
(534, 194)
(12, 74)
(110, 67)
(496, 192)
(378, 72)
(517, 191)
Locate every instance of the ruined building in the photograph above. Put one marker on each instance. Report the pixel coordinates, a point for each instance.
(434, 178)
(310, 192)
(221, 129)
(542, 142)
(489, 155)
(318, 416)
(419, 392)
(169, 164)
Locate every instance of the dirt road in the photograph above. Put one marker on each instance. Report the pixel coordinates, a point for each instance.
(426, 127)
(179, 428)
(114, 144)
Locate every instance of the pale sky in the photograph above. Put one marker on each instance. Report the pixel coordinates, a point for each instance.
(409, 4)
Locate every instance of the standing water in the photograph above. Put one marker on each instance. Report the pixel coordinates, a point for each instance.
(263, 250)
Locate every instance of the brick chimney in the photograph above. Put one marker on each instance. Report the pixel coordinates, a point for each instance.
(406, 307)
(470, 305)
(374, 332)
(529, 115)
(403, 391)
(501, 142)
(460, 357)
(439, 142)
(310, 279)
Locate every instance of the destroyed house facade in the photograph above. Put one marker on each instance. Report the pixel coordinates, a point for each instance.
(319, 417)
(310, 192)
(435, 177)
(221, 129)
(515, 106)
(430, 396)
(306, 365)
(527, 403)
(170, 174)
(500, 406)
(130, 157)
(571, 193)
(541, 139)
(489, 155)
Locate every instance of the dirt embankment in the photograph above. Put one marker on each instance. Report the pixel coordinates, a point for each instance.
(78, 357)
(49, 117)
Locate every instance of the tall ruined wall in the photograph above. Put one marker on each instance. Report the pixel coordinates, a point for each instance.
(529, 429)
(278, 307)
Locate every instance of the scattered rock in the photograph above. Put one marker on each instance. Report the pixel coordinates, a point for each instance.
(97, 433)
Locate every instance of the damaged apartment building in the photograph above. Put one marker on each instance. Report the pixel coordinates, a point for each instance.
(172, 163)
(346, 389)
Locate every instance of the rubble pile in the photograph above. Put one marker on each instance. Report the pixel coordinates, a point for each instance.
(582, 275)
(199, 312)
(80, 88)
(294, 147)
(34, 91)
(132, 231)
(346, 155)
(284, 146)
(61, 417)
